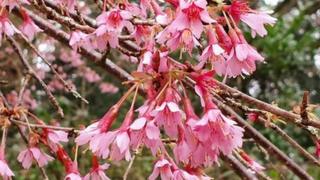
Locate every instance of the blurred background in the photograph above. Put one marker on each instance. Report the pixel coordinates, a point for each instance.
(292, 51)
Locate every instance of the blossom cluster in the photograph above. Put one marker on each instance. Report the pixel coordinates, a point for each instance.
(200, 135)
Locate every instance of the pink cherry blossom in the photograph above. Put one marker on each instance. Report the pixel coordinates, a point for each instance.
(163, 168)
(99, 143)
(168, 114)
(141, 33)
(71, 167)
(110, 24)
(203, 82)
(57, 136)
(121, 146)
(12, 3)
(180, 174)
(199, 152)
(213, 51)
(182, 150)
(6, 27)
(252, 116)
(27, 156)
(29, 28)
(108, 88)
(97, 134)
(97, 171)
(256, 22)
(73, 176)
(144, 131)
(183, 39)
(191, 16)
(120, 140)
(241, 58)
(54, 137)
(90, 75)
(72, 57)
(27, 99)
(102, 38)
(79, 39)
(87, 134)
(237, 8)
(114, 143)
(221, 132)
(317, 152)
(115, 20)
(5, 171)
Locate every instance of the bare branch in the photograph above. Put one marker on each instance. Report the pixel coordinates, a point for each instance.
(239, 168)
(265, 106)
(24, 61)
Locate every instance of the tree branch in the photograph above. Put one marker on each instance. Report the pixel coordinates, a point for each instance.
(25, 62)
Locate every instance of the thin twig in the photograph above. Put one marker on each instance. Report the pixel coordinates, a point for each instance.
(260, 139)
(65, 84)
(239, 168)
(45, 126)
(25, 139)
(295, 118)
(23, 88)
(94, 56)
(294, 143)
(125, 176)
(24, 61)
(261, 174)
(277, 129)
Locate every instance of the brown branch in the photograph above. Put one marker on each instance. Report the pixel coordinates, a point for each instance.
(303, 108)
(44, 126)
(257, 135)
(239, 168)
(94, 56)
(87, 20)
(23, 88)
(277, 129)
(260, 139)
(61, 19)
(65, 84)
(125, 176)
(265, 106)
(68, 21)
(261, 174)
(294, 143)
(25, 62)
(52, 14)
(91, 22)
(23, 136)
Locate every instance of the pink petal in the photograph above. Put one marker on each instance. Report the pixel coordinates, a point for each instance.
(123, 141)
(138, 124)
(152, 131)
